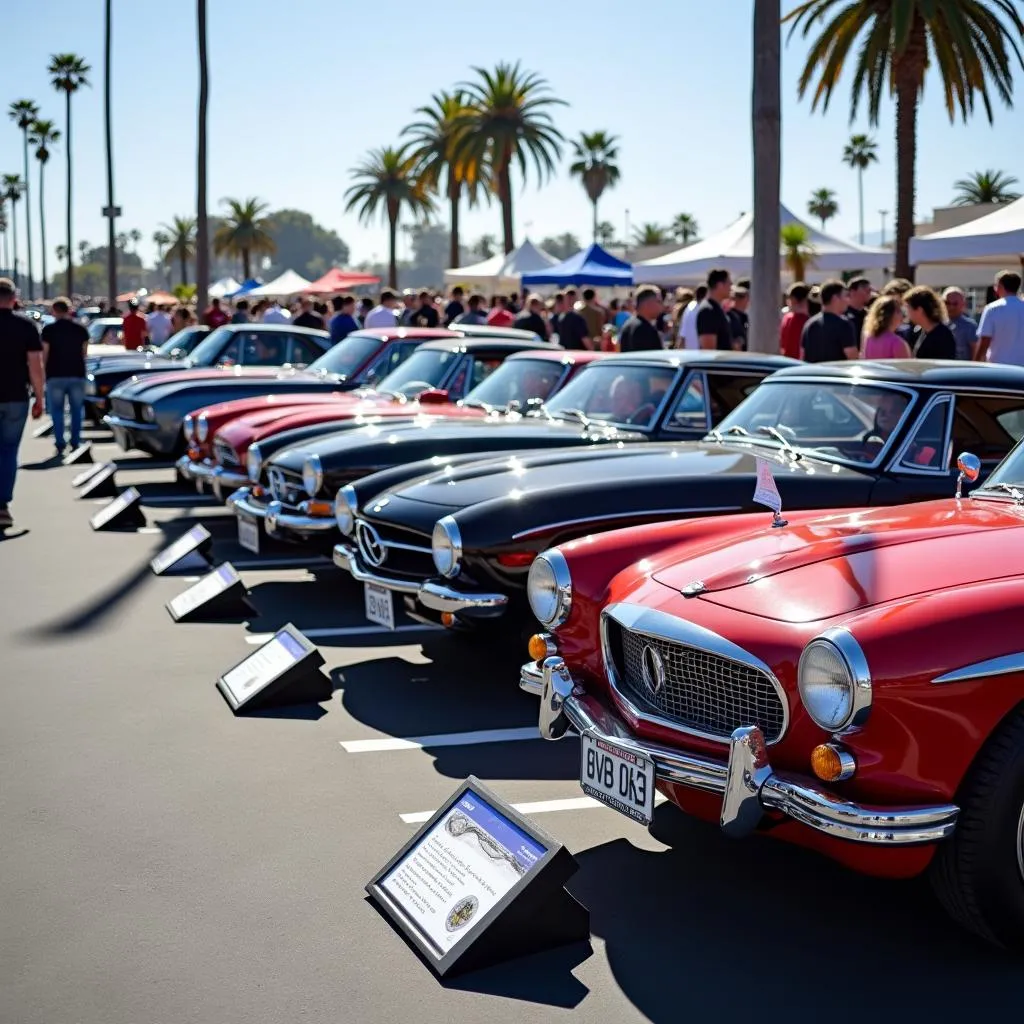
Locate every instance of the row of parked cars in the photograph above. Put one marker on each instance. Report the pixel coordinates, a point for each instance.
(846, 675)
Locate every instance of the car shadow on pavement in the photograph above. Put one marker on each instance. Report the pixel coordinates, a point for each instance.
(48, 463)
(712, 922)
(13, 533)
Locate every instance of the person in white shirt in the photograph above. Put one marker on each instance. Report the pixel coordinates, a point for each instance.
(1001, 328)
(158, 323)
(274, 314)
(383, 315)
(688, 322)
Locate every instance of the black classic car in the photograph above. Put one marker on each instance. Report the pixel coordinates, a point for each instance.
(458, 542)
(619, 399)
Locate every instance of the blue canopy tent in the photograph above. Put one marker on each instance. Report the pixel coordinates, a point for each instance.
(247, 287)
(591, 266)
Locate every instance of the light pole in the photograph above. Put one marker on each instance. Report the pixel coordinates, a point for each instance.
(883, 213)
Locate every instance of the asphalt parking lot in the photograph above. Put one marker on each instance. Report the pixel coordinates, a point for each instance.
(164, 861)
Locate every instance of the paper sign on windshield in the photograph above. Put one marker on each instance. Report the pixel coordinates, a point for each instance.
(766, 493)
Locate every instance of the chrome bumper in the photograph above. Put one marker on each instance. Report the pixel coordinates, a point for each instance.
(346, 557)
(219, 478)
(275, 520)
(746, 781)
(112, 420)
(442, 598)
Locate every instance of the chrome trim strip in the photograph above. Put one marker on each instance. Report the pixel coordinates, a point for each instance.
(241, 504)
(896, 464)
(662, 626)
(113, 420)
(195, 470)
(345, 557)
(441, 598)
(1003, 665)
(700, 510)
(278, 521)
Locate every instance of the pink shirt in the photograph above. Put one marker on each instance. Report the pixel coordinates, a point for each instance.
(885, 346)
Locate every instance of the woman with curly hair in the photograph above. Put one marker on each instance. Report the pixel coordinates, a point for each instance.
(880, 339)
(926, 311)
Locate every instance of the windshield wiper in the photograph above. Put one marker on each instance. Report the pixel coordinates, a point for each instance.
(779, 436)
(575, 414)
(715, 435)
(477, 404)
(1013, 491)
(737, 429)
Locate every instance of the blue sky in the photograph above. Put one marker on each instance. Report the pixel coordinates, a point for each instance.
(300, 91)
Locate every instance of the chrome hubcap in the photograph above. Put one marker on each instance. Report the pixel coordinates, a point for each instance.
(1020, 843)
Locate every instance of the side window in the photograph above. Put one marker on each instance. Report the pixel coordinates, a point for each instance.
(264, 348)
(987, 425)
(726, 391)
(456, 385)
(928, 447)
(303, 351)
(690, 411)
(479, 371)
(389, 358)
(231, 354)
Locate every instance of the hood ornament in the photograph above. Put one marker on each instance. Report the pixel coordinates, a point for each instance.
(694, 588)
(970, 469)
(766, 493)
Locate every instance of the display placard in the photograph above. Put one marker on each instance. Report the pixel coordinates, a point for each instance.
(285, 670)
(219, 594)
(121, 513)
(83, 453)
(479, 884)
(87, 474)
(186, 553)
(100, 484)
(44, 430)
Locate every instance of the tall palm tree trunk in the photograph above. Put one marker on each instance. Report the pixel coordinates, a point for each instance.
(392, 256)
(184, 269)
(42, 229)
(766, 113)
(202, 224)
(860, 199)
(28, 219)
(594, 205)
(909, 72)
(71, 248)
(505, 197)
(246, 265)
(14, 241)
(7, 252)
(111, 227)
(453, 239)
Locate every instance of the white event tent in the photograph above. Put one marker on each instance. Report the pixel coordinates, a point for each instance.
(733, 249)
(998, 237)
(225, 286)
(289, 283)
(501, 271)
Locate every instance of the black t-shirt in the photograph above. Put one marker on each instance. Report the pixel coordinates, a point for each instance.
(639, 335)
(531, 322)
(309, 320)
(424, 316)
(711, 319)
(452, 310)
(739, 325)
(572, 329)
(66, 340)
(938, 343)
(856, 318)
(18, 337)
(826, 336)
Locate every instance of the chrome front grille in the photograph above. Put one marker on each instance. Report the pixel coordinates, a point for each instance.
(285, 487)
(402, 554)
(224, 454)
(687, 685)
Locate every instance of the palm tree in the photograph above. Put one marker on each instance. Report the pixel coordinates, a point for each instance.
(23, 113)
(386, 182)
(985, 187)
(797, 250)
(860, 153)
(68, 73)
(83, 250)
(121, 241)
(432, 145)
(135, 236)
(973, 45)
(507, 121)
(3, 231)
(650, 234)
(595, 154)
(823, 205)
(202, 222)
(42, 135)
(161, 239)
(180, 239)
(684, 228)
(108, 17)
(13, 189)
(244, 232)
(485, 246)
(62, 253)
(606, 233)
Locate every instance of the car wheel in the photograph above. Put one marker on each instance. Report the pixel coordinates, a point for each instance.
(978, 873)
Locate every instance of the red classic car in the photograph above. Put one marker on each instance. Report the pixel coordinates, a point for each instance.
(851, 682)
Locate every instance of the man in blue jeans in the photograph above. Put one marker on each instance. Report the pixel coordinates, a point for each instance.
(64, 346)
(21, 361)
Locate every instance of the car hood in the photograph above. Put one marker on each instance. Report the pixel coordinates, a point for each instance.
(151, 387)
(137, 364)
(819, 567)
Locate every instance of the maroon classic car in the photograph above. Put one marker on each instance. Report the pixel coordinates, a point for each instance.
(851, 682)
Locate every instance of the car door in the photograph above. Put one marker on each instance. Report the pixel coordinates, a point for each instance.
(263, 348)
(302, 351)
(391, 356)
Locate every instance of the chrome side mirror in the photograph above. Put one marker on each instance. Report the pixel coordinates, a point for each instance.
(970, 469)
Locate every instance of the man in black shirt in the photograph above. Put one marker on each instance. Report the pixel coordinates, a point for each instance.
(713, 330)
(739, 321)
(64, 346)
(572, 328)
(424, 315)
(21, 361)
(455, 307)
(639, 333)
(859, 300)
(307, 318)
(828, 335)
(531, 320)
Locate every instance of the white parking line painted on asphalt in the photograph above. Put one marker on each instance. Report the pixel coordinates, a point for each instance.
(314, 634)
(576, 803)
(448, 739)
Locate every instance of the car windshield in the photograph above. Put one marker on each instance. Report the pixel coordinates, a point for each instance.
(424, 369)
(208, 351)
(104, 332)
(524, 381)
(347, 356)
(841, 421)
(1008, 476)
(627, 396)
(183, 342)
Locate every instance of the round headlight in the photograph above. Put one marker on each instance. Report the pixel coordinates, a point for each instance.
(834, 681)
(254, 462)
(147, 413)
(345, 508)
(189, 426)
(549, 588)
(312, 475)
(446, 546)
(202, 428)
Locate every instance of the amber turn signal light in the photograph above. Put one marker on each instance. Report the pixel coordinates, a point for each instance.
(447, 620)
(321, 508)
(831, 763)
(541, 646)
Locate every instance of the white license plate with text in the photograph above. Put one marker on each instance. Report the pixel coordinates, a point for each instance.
(380, 606)
(249, 535)
(617, 777)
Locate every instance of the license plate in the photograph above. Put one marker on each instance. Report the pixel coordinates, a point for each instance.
(249, 535)
(380, 607)
(617, 777)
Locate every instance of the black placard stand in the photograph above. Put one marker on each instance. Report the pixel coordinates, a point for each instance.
(100, 484)
(187, 554)
(124, 512)
(220, 594)
(44, 430)
(283, 672)
(83, 453)
(536, 914)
